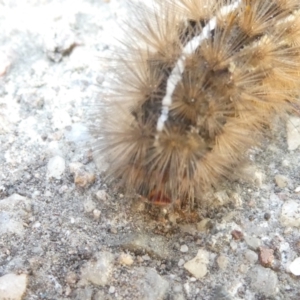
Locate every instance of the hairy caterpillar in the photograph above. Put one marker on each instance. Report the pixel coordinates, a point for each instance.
(196, 86)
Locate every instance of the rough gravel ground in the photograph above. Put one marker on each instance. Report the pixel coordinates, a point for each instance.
(65, 234)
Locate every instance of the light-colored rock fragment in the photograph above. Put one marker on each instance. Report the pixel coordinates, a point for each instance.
(281, 181)
(61, 119)
(253, 242)
(198, 265)
(126, 259)
(96, 214)
(293, 133)
(204, 225)
(222, 262)
(82, 177)
(290, 213)
(264, 281)
(98, 272)
(13, 286)
(77, 133)
(56, 167)
(10, 225)
(150, 285)
(89, 205)
(153, 245)
(184, 248)
(14, 211)
(251, 256)
(295, 267)
(102, 195)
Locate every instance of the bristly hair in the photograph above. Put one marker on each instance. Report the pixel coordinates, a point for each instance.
(197, 85)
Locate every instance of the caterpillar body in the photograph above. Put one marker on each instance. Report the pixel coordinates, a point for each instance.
(197, 85)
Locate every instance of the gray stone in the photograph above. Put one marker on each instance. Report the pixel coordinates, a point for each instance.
(13, 286)
(153, 245)
(85, 294)
(150, 284)
(89, 205)
(290, 213)
(253, 242)
(222, 262)
(251, 256)
(98, 272)
(14, 211)
(264, 281)
(220, 293)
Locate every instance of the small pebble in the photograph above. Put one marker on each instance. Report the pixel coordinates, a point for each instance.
(290, 213)
(13, 286)
(56, 167)
(204, 225)
(112, 290)
(198, 265)
(181, 262)
(98, 272)
(266, 256)
(237, 235)
(263, 280)
(251, 256)
(293, 133)
(243, 268)
(253, 242)
(222, 262)
(281, 181)
(96, 214)
(295, 267)
(89, 205)
(125, 259)
(102, 195)
(184, 248)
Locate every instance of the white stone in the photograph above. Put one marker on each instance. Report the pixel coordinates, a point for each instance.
(98, 272)
(78, 133)
(56, 167)
(295, 267)
(293, 133)
(13, 286)
(96, 214)
(290, 213)
(61, 119)
(184, 248)
(14, 211)
(181, 262)
(198, 265)
(10, 224)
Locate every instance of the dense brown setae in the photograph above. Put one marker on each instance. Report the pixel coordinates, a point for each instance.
(196, 86)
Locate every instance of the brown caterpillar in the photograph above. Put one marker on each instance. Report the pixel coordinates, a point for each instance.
(196, 86)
